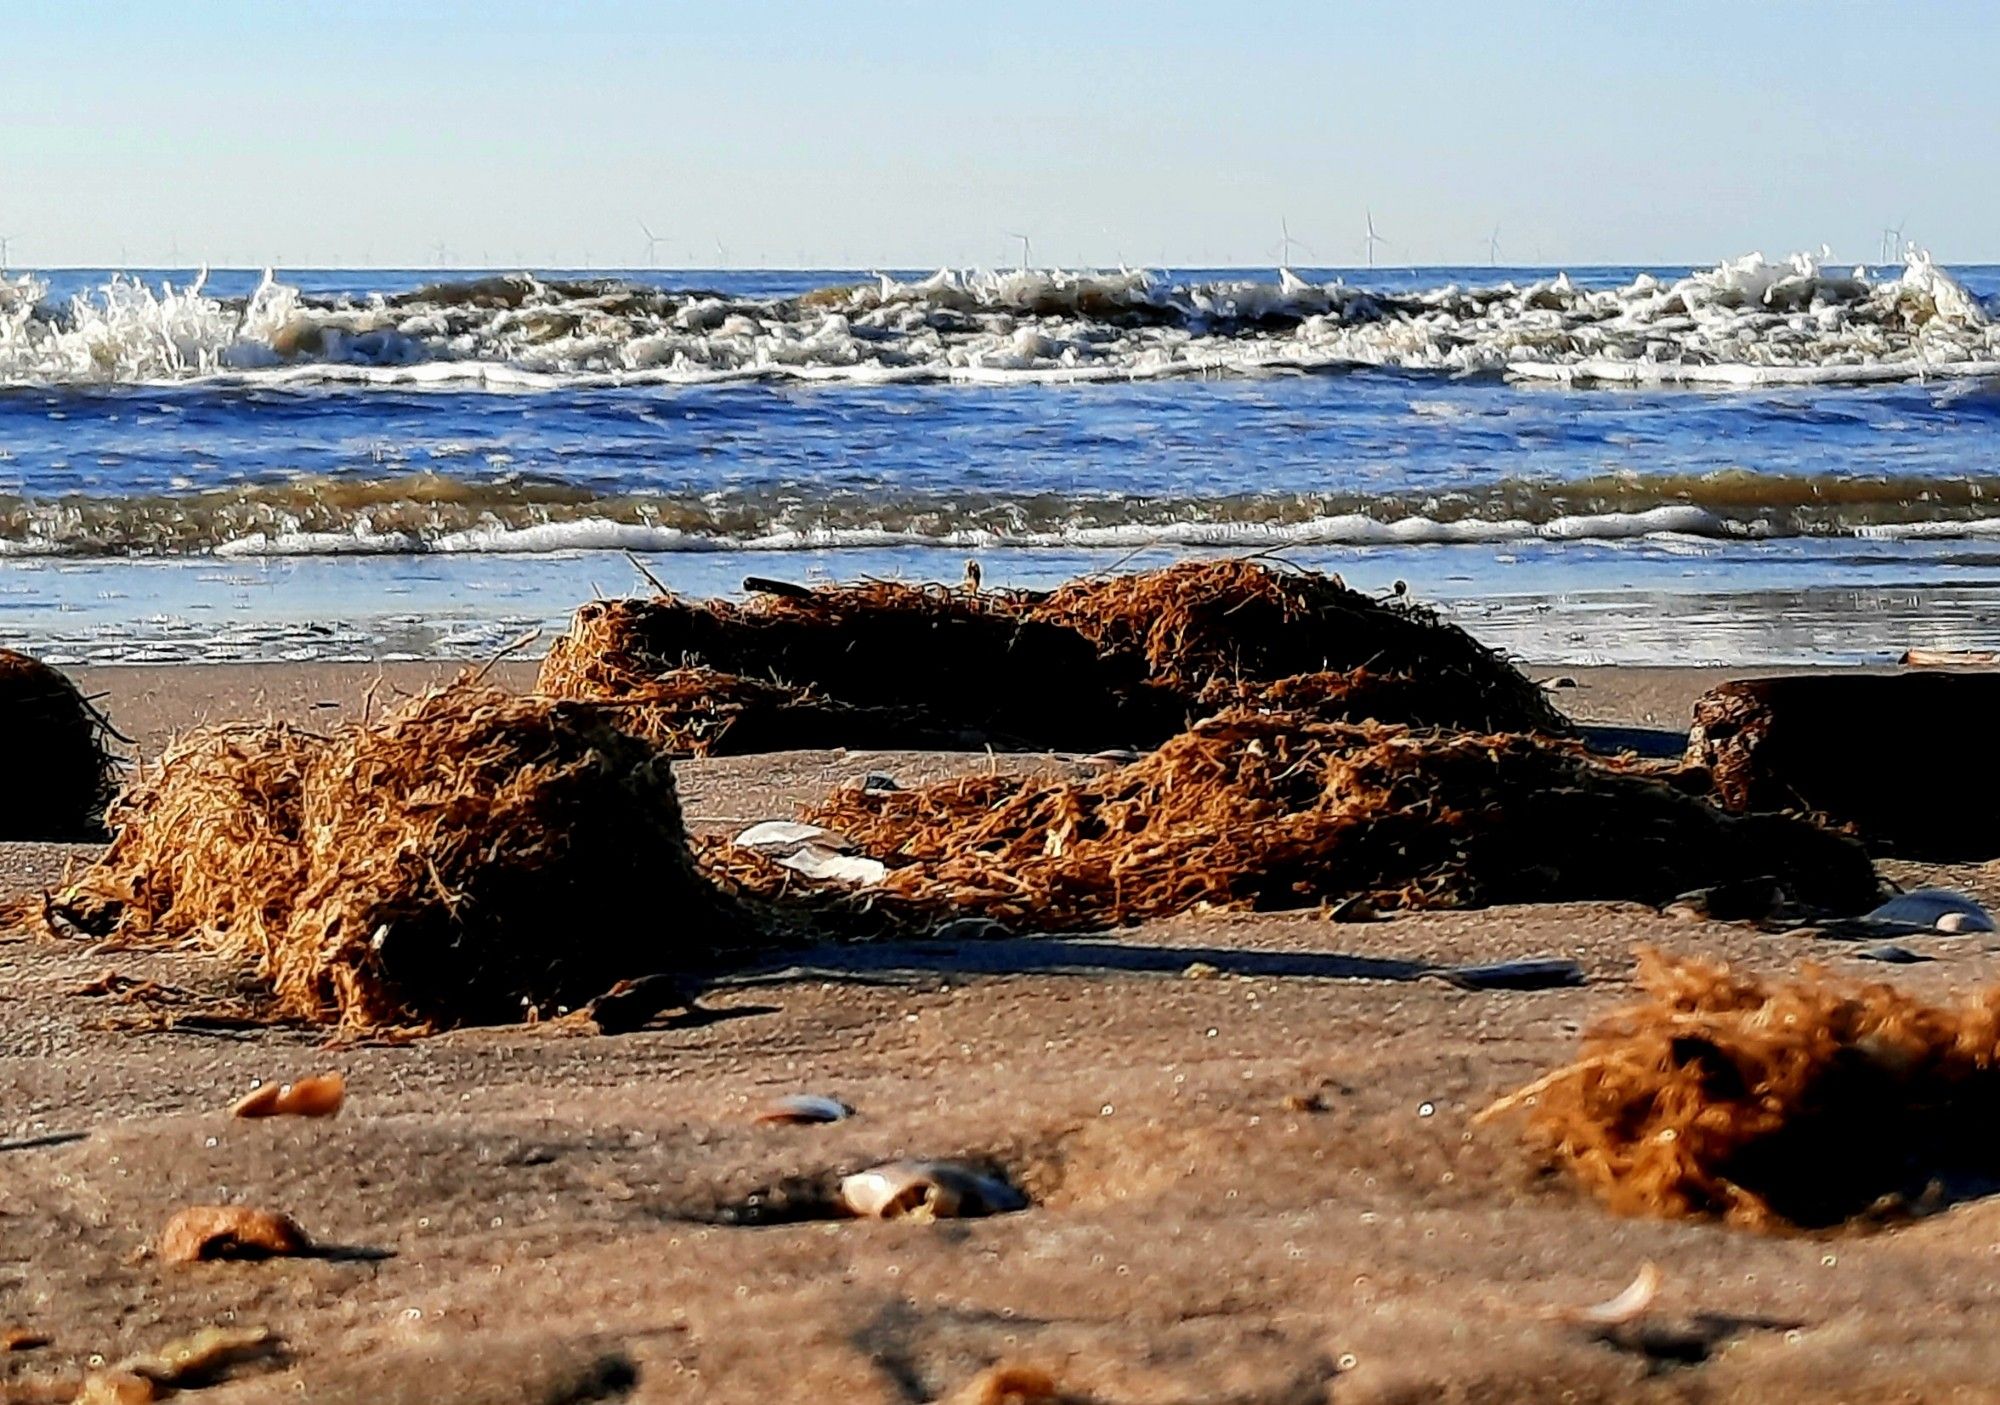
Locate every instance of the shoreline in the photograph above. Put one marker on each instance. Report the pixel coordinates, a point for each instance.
(151, 702)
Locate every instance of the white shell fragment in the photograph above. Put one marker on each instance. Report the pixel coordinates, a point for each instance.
(783, 836)
(1629, 1306)
(805, 1107)
(817, 853)
(1932, 910)
(830, 867)
(927, 1190)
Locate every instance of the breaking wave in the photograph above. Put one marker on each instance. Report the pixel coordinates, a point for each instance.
(437, 513)
(1746, 322)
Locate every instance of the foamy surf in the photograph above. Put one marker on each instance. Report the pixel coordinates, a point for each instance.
(1747, 322)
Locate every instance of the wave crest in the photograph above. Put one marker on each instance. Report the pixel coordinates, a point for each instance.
(1747, 321)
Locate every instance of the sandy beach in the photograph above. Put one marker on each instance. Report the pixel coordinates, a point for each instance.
(1248, 1140)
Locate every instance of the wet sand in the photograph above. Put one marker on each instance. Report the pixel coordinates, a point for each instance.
(534, 1208)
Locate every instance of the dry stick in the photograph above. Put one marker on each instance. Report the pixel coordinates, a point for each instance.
(519, 644)
(658, 585)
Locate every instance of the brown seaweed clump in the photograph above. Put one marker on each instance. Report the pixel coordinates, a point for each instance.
(1219, 632)
(1112, 662)
(874, 664)
(62, 772)
(1276, 810)
(1774, 1103)
(475, 857)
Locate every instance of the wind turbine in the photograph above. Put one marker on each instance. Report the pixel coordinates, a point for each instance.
(1286, 242)
(653, 242)
(440, 253)
(1493, 246)
(6, 240)
(721, 254)
(1892, 242)
(1373, 239)
(1027, 250)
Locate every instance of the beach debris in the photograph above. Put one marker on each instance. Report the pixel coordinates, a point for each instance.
(1930, 910)
(829, 866)
(633, 1004)
(780, 837)
(204, 1232)
(207, 1358)
(1264, 810)
(318, 1096)
(1102, 663)
(879, 780)
(63, 771)
(1004, 1384)
(1891, 954)
(1223, 632)
(816, 852)
(1752, 899)
(474, 857)
(875, 665)
(1889, 756)
(801, 1108)
(1358, 908)
(1528, 973)
(927, 1190)
(1949, 658)
(1622, 1310)
(1201, 971)
(1772, 1103)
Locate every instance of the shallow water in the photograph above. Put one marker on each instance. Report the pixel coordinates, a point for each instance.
(329, 469)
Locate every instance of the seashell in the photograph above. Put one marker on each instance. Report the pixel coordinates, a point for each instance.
(927, 1190)
(1629, 1306)
(203, 1232)
(319, 1096)
(829, 866)
(796, 1108)
(779, 837)
(1009, 1385)
(1932, 910)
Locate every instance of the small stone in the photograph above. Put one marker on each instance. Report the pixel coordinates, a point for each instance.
(203, 1232)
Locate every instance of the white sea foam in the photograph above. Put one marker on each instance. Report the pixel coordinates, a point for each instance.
(1746, 322)
(1343, 529)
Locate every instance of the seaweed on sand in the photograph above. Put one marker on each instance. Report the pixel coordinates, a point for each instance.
(63, 771)
(474, 857)
(1253, 809)
(1115, 661)
(1773, 1104)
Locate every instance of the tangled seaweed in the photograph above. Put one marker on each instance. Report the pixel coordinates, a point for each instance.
(1279, 810)
(471, 858)
(1771, 1104)
(1213, 631)
(62, 772)
(1127, 660)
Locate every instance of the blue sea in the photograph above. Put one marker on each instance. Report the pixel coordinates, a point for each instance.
(1752, 462)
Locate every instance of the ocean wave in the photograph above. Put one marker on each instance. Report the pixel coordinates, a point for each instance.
(439, 513)
(1745, 322)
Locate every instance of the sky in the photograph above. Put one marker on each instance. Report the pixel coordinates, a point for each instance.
(906, 135)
